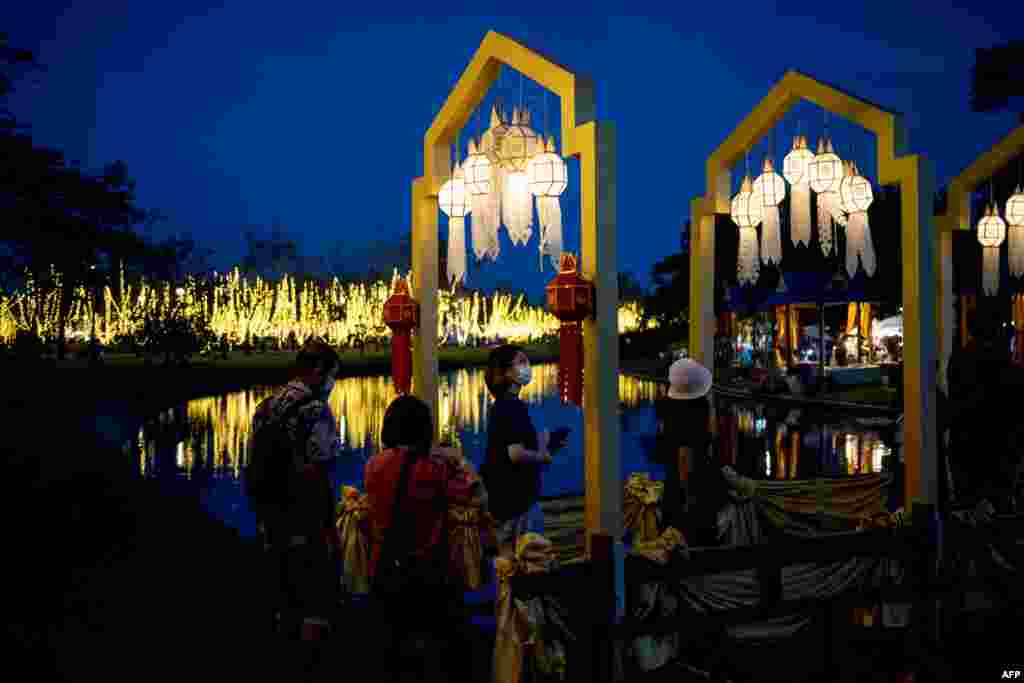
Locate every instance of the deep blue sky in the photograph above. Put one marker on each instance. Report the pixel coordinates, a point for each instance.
(232, 116)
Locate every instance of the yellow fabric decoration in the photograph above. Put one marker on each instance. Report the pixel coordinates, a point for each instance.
(641, 512)
(515, 628)
(660, 549)
(353, 511)
(470, 529)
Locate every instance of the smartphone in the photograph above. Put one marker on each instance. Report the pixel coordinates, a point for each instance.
(557, 439)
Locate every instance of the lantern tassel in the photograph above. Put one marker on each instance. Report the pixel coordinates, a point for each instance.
(456, 249)
(800, 214)
(824, 224)
(549, 210)
(401, 361)
(854, 243)
(1015, 238)
(771, 240)
(517, 207)
(867, 253)
(748, 265)
(478, 226)
(570, 362)
(493, 209)
(990, 259)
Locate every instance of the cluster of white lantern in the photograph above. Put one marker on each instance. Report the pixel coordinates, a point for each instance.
(993, 231)
(843, 199)
(503, 173)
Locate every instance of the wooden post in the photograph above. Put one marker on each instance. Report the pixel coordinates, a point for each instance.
(602, 467)
(602, 616)
(424, 286)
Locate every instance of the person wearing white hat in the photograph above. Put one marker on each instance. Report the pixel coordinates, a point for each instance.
(684, 435)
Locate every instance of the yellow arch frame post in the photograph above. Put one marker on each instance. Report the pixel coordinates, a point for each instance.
(914, 176)
(958, 217)
(593, 143)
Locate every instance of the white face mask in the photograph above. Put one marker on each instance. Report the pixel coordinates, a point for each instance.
(524, 375)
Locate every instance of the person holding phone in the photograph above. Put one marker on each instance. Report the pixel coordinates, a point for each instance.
(511, 470)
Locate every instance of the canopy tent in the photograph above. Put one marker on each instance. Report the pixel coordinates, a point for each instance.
(810, 287)
(890, 327)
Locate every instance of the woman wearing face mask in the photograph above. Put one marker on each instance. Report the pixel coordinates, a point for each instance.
(515, 451)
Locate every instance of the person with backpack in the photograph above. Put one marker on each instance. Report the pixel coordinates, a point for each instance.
(295, 440)
(410, 485)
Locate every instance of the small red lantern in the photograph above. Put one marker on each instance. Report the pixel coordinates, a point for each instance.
(571, 300)
(402, 315)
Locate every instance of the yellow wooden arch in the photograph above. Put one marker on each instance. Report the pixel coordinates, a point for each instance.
(957, 216)
(593, 144)
(913, 174)
(958, 203)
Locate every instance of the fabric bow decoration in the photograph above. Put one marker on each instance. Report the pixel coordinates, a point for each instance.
(470, 530)
(516, 627)
(660, 549)
(353, 535)
(640, 507)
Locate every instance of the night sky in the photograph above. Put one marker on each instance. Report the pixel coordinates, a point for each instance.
(233, 116)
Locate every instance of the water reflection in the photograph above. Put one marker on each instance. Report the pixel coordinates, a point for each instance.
(795, 446)
(203, 445)
(213, 433)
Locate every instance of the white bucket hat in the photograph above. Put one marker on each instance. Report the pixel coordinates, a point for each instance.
(688, 379)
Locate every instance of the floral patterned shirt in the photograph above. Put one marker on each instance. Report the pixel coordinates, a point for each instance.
(315, 419)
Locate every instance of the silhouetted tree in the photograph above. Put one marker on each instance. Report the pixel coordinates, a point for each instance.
(669, 300)
(997, 77)
(630, 288)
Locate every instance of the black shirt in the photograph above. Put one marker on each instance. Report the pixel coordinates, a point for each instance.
(512, 488)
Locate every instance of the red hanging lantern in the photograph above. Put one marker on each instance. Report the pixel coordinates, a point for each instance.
(402, 315)
(571, 300)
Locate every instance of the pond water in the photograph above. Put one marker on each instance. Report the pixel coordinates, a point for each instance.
(200, 448)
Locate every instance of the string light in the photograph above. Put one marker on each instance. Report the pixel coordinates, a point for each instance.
(241, 308)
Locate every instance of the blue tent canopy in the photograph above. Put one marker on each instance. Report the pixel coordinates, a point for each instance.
(802, 287)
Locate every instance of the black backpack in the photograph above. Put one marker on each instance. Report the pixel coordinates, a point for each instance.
(270, 470)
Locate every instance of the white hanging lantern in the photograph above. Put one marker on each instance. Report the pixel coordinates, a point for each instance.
(991, 233)
(748, 261)
(490, 205)
(519, 143)
(771, 189)
(490, 143)
(478, 171)
(855, 196)
(1014, 210)
(1014, 213)
(855, 191)
(454, 202)
(795, 169)
(770, 185)
(826, 169)
(745, 212)
(547, 173)
(547, 176)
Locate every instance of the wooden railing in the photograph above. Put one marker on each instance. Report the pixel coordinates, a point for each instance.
(922, 587)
